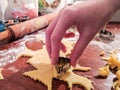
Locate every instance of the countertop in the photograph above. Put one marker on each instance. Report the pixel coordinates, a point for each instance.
(13, 68)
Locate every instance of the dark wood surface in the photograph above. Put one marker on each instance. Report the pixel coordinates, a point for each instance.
(13, 69)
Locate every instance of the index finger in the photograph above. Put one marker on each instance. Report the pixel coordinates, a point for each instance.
(48, 33)
(58, 33)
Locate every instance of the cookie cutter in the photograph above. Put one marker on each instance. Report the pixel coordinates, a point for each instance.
(22, 18)
(106, 35)
(10, 22)
(63, 65)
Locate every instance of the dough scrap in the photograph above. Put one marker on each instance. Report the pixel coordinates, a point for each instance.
(45, 72)
(104, 71)
(116, 84)
(102, 53)
(114, 63)
(1, 76)
(81, 68)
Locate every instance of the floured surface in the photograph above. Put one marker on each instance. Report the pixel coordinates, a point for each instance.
(45, 72)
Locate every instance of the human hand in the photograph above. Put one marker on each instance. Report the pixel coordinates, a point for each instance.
(89, 17)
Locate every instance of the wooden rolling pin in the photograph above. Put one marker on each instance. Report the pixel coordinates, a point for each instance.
(18, 30)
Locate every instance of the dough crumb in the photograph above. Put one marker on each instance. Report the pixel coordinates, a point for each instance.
(104, 71)
(1, 76)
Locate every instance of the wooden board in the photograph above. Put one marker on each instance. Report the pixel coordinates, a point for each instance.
(13, 69)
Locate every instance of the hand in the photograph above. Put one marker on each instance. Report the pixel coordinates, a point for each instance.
(89, 17)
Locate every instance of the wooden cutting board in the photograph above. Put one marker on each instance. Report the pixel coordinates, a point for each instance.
(13, 69)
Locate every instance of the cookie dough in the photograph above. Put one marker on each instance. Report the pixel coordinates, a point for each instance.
(113, 62)
(45, 72)
(1, 76)
(104, 71)
(116, 84)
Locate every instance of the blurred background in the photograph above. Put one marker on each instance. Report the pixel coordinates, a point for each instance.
(12, 8)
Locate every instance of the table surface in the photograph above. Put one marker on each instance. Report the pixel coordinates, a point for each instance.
(13, 68)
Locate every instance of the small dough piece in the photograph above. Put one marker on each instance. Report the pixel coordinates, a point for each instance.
(114, 62)
(105, 58)
(104, 71)
(116, 84)
(118, 74)
(1, 76)
(102, 53)
(79, 68)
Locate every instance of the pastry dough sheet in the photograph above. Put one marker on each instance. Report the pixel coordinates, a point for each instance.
(45, 72)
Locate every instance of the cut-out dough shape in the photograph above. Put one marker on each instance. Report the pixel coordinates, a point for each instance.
(45, 72)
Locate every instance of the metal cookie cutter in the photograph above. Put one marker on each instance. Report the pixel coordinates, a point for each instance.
(106, 35)
(63, 65)
(22, 18)
(10, 22)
